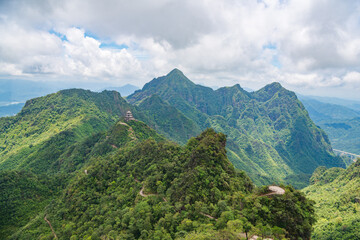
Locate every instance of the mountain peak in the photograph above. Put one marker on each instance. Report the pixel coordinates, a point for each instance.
(175, 71)
(270, 90)
(274, 86)
(175, 78)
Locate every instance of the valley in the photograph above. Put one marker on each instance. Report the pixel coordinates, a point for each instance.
(340, 122)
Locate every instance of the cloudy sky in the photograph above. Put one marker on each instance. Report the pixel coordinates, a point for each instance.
(312, 47)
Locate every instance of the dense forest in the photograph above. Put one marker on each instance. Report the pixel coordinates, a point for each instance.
(149, 188)
(336, 193)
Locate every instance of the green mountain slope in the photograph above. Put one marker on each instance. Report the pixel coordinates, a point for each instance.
(168, 120)
(38, 135)
(11, 109)
(270, 134)
(25, 194)
(159, 190)
(336, 192)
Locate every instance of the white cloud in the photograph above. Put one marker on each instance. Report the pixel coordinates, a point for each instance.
(38, 52)
(353, 78)
(301, 43)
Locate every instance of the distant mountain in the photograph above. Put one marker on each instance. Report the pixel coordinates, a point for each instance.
(320, 111)
(125, 90)
(270, 134)
(15, 90)
(344, 134)
(353, 104)
(10, 109)
(19, 91)
(342, 124)
(336, 192)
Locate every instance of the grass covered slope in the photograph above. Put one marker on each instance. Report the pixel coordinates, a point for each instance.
(160, 190)
(167, 120)
(38, 135)
(336, 193)
(270, 134)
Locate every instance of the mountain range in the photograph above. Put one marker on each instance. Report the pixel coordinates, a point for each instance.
(270, 134)
(71, 165)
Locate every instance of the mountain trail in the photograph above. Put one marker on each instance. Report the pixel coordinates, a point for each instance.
(275, 190)
(209, 216)
(147, 195)
(132, 133)
(125, 124)
(51, 227)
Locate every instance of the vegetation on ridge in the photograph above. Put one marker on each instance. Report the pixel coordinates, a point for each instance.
(160, 190)
(336, 193)
(37, 136)
(270, 134)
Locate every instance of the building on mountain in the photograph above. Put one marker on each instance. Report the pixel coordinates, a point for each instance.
(129, 116)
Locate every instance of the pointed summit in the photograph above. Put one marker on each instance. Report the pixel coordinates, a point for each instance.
(173, 79)
(176, 77)
(270, 90)
(275, 86)
(175, 71)
(174, 84)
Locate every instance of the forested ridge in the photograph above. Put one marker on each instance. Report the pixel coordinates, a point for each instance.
(191, 192)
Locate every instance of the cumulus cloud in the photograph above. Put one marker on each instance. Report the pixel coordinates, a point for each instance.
(300, 43)
(353, 78)
(27, 53)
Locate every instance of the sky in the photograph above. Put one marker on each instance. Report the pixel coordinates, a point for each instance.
(311, 47)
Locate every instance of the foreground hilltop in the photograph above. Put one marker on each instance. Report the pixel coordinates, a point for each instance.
(148, 188)
(270, 134)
